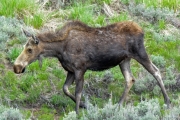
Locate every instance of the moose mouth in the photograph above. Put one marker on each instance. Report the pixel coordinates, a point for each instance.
(19, 69)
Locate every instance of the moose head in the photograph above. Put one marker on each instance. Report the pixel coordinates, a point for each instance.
(30, 53)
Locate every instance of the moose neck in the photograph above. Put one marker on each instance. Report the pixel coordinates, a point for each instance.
(52, 49)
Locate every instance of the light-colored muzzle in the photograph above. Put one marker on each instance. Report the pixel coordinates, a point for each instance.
(18, 69)
(20, 64)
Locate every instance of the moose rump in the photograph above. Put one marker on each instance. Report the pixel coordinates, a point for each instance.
(79, 48)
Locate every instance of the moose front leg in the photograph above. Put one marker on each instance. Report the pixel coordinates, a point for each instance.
(79, 80)
(69, 80)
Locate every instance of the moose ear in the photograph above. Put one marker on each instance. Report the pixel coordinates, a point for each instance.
(36, 40)
(27, 33)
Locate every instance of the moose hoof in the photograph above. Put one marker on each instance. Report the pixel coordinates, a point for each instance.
(82, 105)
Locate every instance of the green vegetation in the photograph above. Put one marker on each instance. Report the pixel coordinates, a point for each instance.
(145, 110)
(37, 20)
(171, 4)
(12, 8)
(10, 113)
(25, 9)
(10, 32)
(13, 54)
(119, 17)
(38, 94)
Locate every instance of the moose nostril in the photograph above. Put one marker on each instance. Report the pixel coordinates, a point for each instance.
(23, 70)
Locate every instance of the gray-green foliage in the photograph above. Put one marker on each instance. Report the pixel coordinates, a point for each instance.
(107, 77)
(159, 61)
(162, 37)
(10, 28)
(143, 111)
(170, 33)
(91, 88)
(150, 13)
(148, 82)
(144, 83)
(170, 78)
(70, 116)
(10, 113)
(162, 31)
(173, 113)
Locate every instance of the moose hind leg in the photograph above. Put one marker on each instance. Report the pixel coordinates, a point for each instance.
(69, 80)
(151, 68)
(125, 69)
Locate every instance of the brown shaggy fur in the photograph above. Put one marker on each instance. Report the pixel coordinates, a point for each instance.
(126, 27)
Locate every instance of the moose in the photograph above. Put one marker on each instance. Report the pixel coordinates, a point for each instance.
(79, 48)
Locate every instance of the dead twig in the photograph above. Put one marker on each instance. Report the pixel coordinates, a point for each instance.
(107, 10)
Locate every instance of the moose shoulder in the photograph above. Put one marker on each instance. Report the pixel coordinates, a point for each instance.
(79, 47)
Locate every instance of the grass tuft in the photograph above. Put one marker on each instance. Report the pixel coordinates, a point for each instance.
(24, 9)
(12, 8)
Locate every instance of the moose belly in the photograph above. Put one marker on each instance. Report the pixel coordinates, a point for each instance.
(105, 61)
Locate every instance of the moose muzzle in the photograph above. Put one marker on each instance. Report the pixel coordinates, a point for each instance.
(18, 69)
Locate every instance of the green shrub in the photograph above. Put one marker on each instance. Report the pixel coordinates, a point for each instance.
(162, 24)
(99, 2)
(102, 1)
(9, 90)
(170, 78)
(144, 83)
(10, 113)
(125, 1)
(79, 10)
(10, 29)
(97, 86)
(172, 114)
(100, 21)
(59, 73)
(25, 82)
(37, 20)
(159, 61)
(33, 94)
(24, 9)
(171, 4)
(143, 111)
(45, 113)
(159, 37)
(70, 116)
(13, 54)
(12, 8)
(34, 67)
(60, 100)
(43, 76)
(150, 13)
(120, 17)
(93, 13)
(157, 90)
(148, 83)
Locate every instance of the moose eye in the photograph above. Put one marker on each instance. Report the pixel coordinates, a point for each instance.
(29, 50)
